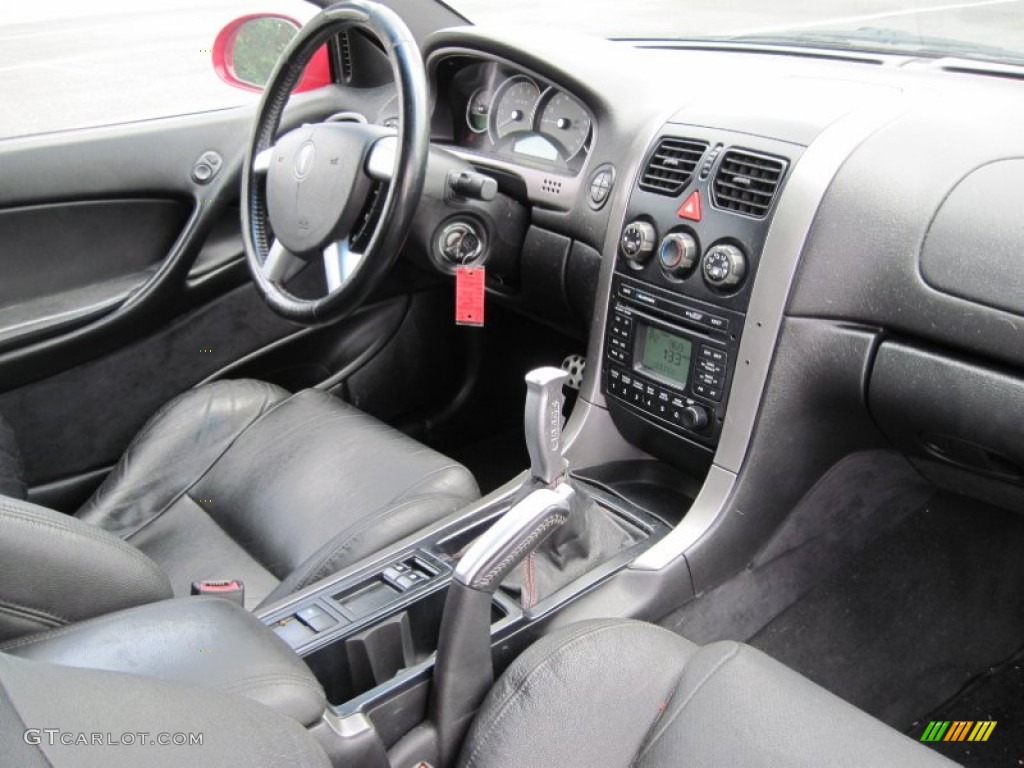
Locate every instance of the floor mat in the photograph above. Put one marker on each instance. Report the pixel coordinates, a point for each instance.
(997, 695)
(919, 613)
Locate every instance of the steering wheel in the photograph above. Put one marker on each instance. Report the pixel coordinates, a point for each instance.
(343, 192)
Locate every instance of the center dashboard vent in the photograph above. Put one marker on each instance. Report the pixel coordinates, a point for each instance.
(746, 182)
(672, 165)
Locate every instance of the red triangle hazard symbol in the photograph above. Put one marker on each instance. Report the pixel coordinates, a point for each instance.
(691, 208)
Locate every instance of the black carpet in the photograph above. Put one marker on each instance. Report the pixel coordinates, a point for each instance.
(996, 695)
(495, 459)
(918, 614)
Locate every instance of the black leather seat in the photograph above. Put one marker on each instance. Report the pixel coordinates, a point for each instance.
(236, 479)
(610, 694)
(624, 693)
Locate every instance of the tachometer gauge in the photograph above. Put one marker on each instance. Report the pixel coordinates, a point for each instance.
(478, 110)
(513, 108)
(563, 120)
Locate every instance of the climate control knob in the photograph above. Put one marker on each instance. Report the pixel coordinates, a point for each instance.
(695, 417)
(638, 241)
(678, 253)
(724, 266)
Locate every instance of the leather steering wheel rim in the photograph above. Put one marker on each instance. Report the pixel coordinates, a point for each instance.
(406, 180)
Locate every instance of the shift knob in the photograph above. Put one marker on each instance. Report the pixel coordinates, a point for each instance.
(543, 423)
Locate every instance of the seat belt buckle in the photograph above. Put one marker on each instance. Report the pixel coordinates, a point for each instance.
(229, 589)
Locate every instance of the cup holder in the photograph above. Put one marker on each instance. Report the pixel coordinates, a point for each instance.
(358, 663)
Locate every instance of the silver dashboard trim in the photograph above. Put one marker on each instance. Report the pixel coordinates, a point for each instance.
(787, 235)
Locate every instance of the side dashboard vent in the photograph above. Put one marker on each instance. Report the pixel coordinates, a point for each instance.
(345, 56)
(746, 182)
(672, 165)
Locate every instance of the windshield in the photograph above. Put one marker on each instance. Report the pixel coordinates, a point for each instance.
(982, 29)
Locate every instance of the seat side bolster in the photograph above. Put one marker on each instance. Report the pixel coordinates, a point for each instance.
(734, 705)
(173, 451)
(58, 570)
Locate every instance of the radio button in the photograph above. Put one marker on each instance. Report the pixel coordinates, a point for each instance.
(708, 391)
(694, 316)
(711, 353)
(710, 366)
(718, 323)
(695, 417)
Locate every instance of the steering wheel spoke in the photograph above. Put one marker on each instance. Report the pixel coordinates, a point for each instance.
(340, 262)
(281, 264)
(380, 163)
(261, 163)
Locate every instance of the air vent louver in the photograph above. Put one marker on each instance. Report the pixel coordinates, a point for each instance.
(672, 165)
(746, 182)
(345, 56)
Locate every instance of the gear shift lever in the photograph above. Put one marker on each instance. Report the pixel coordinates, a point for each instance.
(543, 423)
(463, 671)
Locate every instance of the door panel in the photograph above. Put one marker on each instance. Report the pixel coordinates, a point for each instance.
(106, 229)
(82, 418)
(65, 264)
(134, 165)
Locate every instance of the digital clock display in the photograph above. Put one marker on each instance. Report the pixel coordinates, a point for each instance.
(665, 355)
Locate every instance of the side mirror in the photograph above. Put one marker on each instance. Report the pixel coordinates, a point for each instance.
(247, 49)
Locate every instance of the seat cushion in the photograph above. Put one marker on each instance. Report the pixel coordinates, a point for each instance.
(239, 479)
(623, 693)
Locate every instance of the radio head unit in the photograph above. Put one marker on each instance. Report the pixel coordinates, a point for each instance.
(669, 359)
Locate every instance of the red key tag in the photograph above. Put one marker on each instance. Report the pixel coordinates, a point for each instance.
(469, 295)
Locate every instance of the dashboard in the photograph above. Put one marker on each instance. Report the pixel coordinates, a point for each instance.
(772, 226)
(496, 109)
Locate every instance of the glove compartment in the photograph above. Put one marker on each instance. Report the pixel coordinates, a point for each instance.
(960, 421)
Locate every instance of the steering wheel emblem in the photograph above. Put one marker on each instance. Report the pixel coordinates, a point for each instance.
(304, 160)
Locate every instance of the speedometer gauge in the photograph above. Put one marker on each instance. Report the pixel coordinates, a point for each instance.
(513, 108)
(564, 120)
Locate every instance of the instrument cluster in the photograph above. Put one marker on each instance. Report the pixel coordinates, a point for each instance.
(496, 109)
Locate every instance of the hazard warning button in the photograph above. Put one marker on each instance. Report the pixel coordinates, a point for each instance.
(691, 208)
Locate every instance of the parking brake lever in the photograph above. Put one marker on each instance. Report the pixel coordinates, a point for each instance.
(463, 670)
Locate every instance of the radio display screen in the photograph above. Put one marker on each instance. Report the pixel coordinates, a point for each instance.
(665, 355)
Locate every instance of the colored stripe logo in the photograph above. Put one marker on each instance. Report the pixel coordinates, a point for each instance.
(958, 730)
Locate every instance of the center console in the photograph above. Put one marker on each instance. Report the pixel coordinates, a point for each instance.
(688, 254)
(403, 647)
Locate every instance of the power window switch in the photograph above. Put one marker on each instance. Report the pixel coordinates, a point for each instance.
(316, 618)
(293, 632)
(410, 580)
